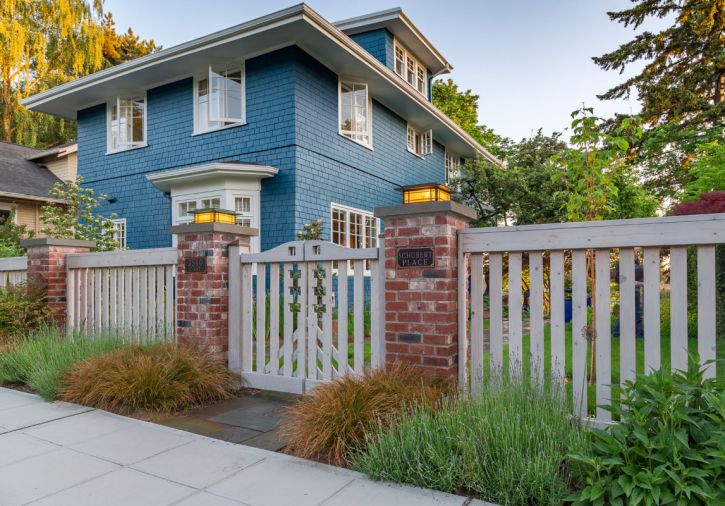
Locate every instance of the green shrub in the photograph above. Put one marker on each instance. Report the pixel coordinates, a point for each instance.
(160, 377)
(42, 359)
(23, 307)
(669, 447)
(336, 417)
(507, 446)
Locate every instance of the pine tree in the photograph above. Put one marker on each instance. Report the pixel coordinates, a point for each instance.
(682, 85)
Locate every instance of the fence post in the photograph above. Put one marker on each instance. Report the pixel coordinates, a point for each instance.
(421, 284)
(203, 283)
(47, 269)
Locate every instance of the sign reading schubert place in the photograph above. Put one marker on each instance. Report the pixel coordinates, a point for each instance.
(416, 257)
(195, 264)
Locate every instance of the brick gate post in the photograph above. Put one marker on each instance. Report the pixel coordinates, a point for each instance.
(421, 279)
(47, 269)
(202, 283)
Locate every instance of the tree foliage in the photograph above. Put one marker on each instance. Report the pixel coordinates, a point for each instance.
(78, 217)
(681, 86)
(44, 43)
(708, 171)
(10, 237)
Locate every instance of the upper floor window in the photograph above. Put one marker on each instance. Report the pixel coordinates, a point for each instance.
(126, 123)
(453, 166)
(409, 68)
(420, 143)
(355, 112)
(219, 98)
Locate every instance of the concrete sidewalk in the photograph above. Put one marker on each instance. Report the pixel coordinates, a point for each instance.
(64, 454)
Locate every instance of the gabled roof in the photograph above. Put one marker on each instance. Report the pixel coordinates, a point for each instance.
(21, 178)
(400, 25)
(298, 25)
(57, 151)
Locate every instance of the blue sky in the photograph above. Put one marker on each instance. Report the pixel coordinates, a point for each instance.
(528, 60)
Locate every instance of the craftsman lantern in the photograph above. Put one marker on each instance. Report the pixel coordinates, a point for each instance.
(428, 192)
(215, 216)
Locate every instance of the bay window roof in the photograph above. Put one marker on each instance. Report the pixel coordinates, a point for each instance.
(298, 25)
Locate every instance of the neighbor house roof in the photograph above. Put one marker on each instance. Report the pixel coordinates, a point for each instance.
(21, 178)
(298, 25)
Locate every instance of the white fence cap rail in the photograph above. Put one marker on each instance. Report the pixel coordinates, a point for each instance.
(13, 264)
(659, 232)
(134, 258)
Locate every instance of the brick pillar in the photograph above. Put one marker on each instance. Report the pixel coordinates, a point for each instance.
(421, 279)
(47, 268)
(202, 282)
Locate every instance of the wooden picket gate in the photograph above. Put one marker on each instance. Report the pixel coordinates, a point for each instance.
(13, 271)
(544, 258)
(282, 331)
(125, 293)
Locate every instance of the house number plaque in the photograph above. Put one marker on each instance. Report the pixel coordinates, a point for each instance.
(416, 257)
(195, 264)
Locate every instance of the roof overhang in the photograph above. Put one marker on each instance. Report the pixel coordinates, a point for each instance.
(58, 151)
(24, 196)
(298, 25)
(209, 172)
(400, 25)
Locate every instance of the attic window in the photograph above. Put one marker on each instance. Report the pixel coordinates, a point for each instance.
(420, 143)
(126, 123)
(409, 68)
(219, 98)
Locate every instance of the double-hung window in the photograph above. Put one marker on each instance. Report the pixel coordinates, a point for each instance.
(355, 112)
(453, 166)
(409, 68)
(420, 143)
(126, 123)
(219, 98)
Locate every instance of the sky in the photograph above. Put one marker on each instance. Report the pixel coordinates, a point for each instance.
(528, 60)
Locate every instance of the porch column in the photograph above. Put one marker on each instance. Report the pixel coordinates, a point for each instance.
(47, 269)
(202, 283)
(421, 276)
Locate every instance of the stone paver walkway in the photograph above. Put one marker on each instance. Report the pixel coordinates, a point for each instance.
(64, 454)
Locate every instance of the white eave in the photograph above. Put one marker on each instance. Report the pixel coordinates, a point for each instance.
(298, 25)
(400, 25)
(209, 172)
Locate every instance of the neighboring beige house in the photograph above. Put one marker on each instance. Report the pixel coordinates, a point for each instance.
(26, 177)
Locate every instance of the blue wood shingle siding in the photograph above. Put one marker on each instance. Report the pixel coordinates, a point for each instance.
(379, 43)
(292, 124)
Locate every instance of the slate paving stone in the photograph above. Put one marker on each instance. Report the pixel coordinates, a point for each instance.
(236, 434)
(271, 441)
(249, 420)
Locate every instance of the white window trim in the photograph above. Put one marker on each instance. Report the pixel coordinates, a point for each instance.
(197, 130)
(368, 144)
(110, 151)
(118, 221)
(13, 211)
(364, 214)
(451, 155)
(423, 135)
(418, 65)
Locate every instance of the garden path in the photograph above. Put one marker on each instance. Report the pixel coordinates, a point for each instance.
(65, 454)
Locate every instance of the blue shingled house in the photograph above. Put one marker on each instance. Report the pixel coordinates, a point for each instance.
(284, 119)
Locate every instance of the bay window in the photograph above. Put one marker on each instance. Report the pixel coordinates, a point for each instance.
(219, 98)
(420, 143)
(126, 123)
(409, 68)
(353, 228)
(355, 119)
(243, 207)
(119, 232)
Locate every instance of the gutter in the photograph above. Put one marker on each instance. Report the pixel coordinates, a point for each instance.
(35, 198)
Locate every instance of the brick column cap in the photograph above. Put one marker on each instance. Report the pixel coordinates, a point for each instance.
(423, 208)
(54, 241)
(225, 228)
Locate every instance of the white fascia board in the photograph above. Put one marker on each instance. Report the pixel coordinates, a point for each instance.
(168, 178)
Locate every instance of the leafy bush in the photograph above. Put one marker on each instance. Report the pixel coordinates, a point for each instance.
(23, 307)
(669, 447)
(161, 377)
(11, 235)
(335, 418)
(42, 359)
(508, 446)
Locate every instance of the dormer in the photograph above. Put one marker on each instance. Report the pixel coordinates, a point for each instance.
(392, 38)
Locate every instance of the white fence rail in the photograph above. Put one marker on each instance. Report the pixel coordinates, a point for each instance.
(13, 271)
(282, 307)
(518, 293)
(130, 293)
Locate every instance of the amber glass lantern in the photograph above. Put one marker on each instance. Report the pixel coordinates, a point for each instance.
(428, 192)
(215, 216)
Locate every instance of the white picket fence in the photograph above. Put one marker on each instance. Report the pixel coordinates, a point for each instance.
(555, 253)
(126, 293)
(305, 346)
(13, 271)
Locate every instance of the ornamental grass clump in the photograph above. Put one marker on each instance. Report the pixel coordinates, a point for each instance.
(160, 377)
(336, 417)
(41, 359)
(508, 446)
